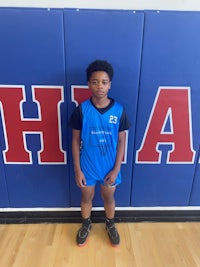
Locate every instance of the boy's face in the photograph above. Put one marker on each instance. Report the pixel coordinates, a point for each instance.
(99, 84)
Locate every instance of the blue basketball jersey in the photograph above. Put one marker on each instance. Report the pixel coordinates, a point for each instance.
(99, 139)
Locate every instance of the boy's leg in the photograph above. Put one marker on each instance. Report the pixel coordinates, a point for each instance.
(109, 205)
(107, 194)
(86, 206)
(86, 201)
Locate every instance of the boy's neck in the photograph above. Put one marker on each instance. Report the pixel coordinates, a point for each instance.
(101, 103)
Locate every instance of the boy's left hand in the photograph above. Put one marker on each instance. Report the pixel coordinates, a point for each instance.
(110, 178)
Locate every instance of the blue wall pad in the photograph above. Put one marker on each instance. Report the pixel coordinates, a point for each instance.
(32, 74)
(167, 130)
(116, 37)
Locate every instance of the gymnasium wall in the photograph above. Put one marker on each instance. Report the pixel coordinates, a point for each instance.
(156, 58)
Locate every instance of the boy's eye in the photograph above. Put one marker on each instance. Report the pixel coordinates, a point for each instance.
(94, 82)
(105, 82)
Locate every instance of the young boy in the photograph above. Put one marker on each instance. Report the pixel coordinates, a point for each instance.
(98, 140)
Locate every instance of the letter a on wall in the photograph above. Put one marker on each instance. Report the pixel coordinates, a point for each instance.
(172, 106)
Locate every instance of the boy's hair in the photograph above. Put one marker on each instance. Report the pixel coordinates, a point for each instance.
(99, 65)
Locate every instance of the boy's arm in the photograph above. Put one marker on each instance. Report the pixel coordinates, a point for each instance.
(120, 151)
(111, 177)
(79, 176)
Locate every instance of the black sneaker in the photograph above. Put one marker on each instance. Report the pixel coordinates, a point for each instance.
(82, 234)
(113, 234)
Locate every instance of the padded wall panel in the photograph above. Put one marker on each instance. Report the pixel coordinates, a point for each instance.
(32, 54)
(170, 61)
(117, 37)
(194, 197)
(4, 198)
(41, 53)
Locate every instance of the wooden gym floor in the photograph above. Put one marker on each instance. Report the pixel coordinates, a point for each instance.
(142, 245)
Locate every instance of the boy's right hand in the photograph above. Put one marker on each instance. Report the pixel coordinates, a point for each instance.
(80, 179)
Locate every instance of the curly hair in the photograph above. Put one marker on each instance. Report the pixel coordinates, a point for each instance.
(99, 65)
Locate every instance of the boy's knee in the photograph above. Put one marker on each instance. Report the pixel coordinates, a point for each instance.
(87, 194)
(86, 198)
(109, 199)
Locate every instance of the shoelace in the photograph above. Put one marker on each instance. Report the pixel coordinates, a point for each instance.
(112, 228)
(84, 231)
